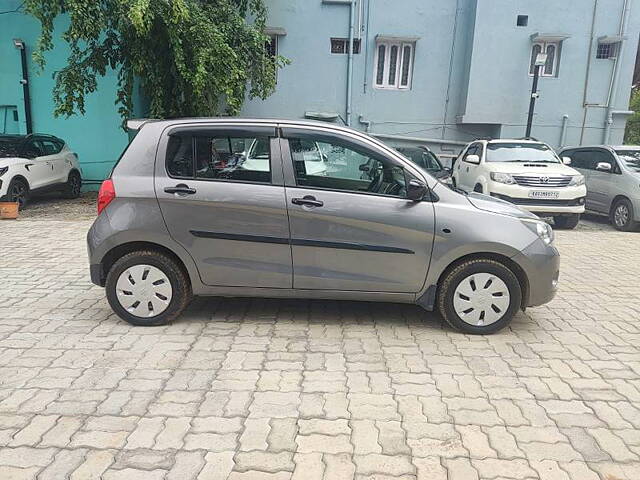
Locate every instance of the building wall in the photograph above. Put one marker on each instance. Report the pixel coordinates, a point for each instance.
(470, 74)
(96, 137)
(471, 70)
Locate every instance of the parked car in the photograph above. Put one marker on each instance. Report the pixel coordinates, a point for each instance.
(613, 181)
(427, 160)
(524, 172)
(166, 230)
(31, 164)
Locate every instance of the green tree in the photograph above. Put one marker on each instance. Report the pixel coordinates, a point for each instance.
(632, 131)
(190, 57)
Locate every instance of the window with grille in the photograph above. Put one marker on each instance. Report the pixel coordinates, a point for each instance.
(393, 66)
(606, 50)
(550, 68)
(341, 45)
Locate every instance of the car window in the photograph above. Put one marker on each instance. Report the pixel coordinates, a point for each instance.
(345, 167)
(245, 159)
(32, 149)
(521, 152)
(472, 150)
(630, 159)
(48, 147)
(423, 158)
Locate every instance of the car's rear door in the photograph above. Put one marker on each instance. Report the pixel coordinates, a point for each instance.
(231, 219)
(352, 227)
(38, 165)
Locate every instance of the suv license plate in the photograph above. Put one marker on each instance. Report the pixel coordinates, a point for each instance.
(539, 194)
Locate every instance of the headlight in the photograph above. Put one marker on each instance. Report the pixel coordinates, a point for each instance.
(502, 178)
(576, 181)
(540, 228)
(3, 170)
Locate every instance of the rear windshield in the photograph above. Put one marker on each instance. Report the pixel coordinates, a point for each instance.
(630, 158)
(422, 158)
(9, 147)
(521, 152)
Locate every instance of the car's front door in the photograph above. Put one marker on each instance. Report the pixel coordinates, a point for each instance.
(39, 168)
(60, 165)
(467, 173)
(231, 218)
(597, 182)
(352, 227)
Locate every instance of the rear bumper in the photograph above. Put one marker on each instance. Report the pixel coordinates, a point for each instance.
(541, 264)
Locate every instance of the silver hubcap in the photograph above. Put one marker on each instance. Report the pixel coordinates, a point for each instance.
(144, 291)
(621, 216)
(481, 299)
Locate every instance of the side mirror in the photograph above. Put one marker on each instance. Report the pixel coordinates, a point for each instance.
(566, 160)
(603, 167)
(475, 159)
(416, 190)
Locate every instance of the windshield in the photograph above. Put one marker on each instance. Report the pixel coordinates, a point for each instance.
(9, 147)
(630, 159)
(521, 152)
(422, 158)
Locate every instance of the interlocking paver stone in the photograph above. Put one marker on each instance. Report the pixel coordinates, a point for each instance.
(277, 389)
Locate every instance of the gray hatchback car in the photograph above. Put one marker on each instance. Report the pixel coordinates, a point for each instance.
(240, 207)
(612, 176)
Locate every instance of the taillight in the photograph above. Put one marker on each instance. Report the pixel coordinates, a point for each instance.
(106, 193)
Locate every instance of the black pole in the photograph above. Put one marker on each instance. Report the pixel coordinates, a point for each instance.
(532, 101)
(25, 86)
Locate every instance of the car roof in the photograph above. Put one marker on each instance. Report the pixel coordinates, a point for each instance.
(609, 147)
(512, 140)
(22, 136)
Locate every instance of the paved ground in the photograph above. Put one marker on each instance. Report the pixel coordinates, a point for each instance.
(260, 389)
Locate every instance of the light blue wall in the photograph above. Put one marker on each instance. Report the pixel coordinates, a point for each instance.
(483, 67)
(470, 75)
(96, 136)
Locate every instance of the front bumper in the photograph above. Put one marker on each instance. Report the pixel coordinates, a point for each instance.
(541, 264)
(570, 199)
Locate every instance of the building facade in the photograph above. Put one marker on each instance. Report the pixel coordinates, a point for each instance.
(438, 72)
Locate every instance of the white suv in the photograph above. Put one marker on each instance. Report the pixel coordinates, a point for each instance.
(36, 163)
(524, 172)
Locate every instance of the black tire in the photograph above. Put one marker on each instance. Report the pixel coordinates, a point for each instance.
(181, 286)
(73, 186)
(620, 220)
(459, 273)
(566, 222)
(18, 191)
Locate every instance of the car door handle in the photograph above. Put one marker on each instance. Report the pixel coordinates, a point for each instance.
(307, 200)
(180, 189)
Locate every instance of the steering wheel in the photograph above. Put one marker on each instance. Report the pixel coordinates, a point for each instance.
(376, 183)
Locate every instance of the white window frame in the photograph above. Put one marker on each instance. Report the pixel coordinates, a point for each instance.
(556, 58)
(396, 85)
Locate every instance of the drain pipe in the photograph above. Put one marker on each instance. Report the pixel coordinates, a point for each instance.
(352, 19)
(20, 45)
(563, 131)
(611, 100)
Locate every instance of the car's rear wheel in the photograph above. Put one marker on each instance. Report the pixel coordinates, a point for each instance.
(479, 296)
(622, 216)
(73, 185)
(567, 222)
(147, 288)
(18, 191)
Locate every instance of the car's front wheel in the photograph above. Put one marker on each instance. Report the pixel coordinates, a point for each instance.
(147, 288)
(479, 296)
(567, 222)
(622, 216)
(18, 191)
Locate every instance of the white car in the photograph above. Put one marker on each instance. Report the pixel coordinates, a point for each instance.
(304, 151)
(524, 172)
(37, 163)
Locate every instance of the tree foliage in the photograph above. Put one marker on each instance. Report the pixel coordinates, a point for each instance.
(632, 131)
(190, 57)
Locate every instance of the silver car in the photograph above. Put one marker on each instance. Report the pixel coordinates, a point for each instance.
(612, 176)
(183, 215)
